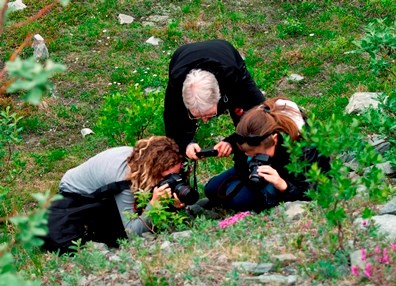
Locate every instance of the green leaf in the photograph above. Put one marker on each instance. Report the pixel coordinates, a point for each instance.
(367, 213)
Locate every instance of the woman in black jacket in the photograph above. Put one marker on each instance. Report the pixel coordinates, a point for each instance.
(206, 79)
(265, 181)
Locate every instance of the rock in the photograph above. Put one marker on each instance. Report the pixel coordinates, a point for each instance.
(389, 208)
(181, 234)
(275, 279)
(16, 5)
(40, 51)
(356, 259)
(295, 77)
(294, 210)
(153, 41)
(85, 132)
(158, 19)
(360, 101)
(125, 19)
(379, 143)
(285, 259)
(386, 168)
(251, 267)
(166, 246)
(148, 236)
(386, 225)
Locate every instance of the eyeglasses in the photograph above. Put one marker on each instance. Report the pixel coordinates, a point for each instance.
(207, 116)
(251, 140)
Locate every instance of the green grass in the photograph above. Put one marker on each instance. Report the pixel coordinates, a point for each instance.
(277, 38)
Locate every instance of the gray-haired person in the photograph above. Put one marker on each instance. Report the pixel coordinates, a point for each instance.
(207, 79)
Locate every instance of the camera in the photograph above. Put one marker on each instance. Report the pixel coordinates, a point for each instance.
(207, 153)
(257, 161)
(183, 191)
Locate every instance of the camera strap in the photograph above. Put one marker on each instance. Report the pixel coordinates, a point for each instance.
(195, 187)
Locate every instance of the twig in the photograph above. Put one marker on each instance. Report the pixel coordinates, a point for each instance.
(4, 86)
(39, 14)
(2, 14)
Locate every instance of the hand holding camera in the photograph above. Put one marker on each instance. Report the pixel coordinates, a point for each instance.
(178, 186)
(261, 172)
(204, 153)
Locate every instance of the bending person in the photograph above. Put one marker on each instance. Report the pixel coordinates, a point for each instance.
(265, 181)
(206, 79)
(99, 202)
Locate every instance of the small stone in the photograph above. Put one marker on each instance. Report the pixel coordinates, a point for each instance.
(40, 50)
(16, 5)
(295, 77)
(153, 41)
(86, 131)
(125, 19)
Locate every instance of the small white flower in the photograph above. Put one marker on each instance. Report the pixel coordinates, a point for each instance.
(136, 84)
(312, 34)
(104, 31)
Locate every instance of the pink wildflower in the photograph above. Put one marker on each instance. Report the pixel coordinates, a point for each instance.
(393, 246)
(363, 254)
(364, 222)
(233, 219)
(368, 270)
(385, 256)
(377, 250)
(355, 270)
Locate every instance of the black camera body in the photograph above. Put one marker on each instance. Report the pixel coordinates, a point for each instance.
(257, 161)
(207, 153)
(178, 186)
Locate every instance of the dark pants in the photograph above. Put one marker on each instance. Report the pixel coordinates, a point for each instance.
(76, 217)
(227, 190)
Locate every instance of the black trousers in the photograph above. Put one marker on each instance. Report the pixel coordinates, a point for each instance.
(76, 217)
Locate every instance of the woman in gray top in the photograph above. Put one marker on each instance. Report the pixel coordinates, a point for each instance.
(91, 198)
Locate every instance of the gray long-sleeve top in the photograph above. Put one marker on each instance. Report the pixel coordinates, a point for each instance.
(102, 169)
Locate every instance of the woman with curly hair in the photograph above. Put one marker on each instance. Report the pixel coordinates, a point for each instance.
(263, 181)
(99, 195)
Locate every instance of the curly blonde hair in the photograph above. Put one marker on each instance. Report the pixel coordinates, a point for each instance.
(150, 157)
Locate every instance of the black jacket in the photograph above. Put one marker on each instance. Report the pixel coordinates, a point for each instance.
(238, 91)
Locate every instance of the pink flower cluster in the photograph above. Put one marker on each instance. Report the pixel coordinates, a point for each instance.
(380, 255)
(232, 219)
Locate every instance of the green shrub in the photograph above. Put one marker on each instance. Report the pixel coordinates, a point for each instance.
(126, 118)
(380, 43)
(335, 189)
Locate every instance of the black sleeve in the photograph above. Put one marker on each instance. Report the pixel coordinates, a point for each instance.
(178, 125)
(297, 185)
(246, 93)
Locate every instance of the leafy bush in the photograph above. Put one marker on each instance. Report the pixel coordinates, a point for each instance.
(380, 43)
(126, 118)
(335, 189)
(382, 121)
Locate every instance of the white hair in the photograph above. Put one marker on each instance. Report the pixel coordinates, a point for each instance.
(200, 91)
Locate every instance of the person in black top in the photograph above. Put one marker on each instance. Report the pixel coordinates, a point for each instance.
(206, 79)
(265, 181)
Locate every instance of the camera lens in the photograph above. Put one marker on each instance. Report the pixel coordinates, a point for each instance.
(254, 177)
(186, 194)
